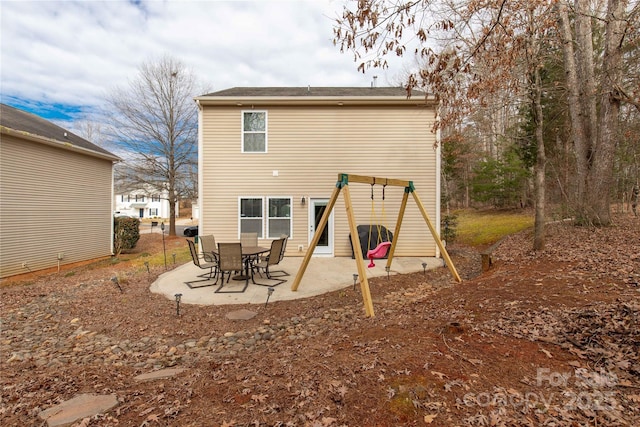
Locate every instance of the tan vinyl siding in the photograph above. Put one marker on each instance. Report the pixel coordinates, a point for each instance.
(52, 201)
(308, 146)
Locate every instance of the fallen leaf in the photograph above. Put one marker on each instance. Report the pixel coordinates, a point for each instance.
(547, 353)
(259, 397)
(342, 390)
(327, 421)
(438, 374)
(428, 419)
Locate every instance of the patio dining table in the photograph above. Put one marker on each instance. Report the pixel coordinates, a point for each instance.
(248, 254)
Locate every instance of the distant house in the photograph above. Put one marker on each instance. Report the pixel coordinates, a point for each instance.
(143, 203)
(56, 195)
(269, 159)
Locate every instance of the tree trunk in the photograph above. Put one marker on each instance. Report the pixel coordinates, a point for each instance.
(594, 130)
(586, 75)
(172, 210)
(578, 133)
(601, 177)
(541, 162)
(535, 94)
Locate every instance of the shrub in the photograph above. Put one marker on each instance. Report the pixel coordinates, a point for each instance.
(126, 233)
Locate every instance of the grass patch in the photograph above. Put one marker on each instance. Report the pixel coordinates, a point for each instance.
(182, 255)
(480, 228)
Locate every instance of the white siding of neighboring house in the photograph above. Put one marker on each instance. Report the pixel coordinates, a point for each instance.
(308, 146)
(53, 202)
(127, 204)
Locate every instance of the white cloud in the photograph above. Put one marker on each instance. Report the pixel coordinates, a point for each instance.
(73, 52)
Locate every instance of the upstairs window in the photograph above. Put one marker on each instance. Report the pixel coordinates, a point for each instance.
(254, 131)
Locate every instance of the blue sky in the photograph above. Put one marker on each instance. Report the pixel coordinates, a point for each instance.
(60, 58)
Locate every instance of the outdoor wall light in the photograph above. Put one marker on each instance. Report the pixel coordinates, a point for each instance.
(303, 201)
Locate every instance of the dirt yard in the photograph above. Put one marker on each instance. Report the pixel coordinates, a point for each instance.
(542, 339)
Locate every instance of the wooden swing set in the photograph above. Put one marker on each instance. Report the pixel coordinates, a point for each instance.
(342, 185)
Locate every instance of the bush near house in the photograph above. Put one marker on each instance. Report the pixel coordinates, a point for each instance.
(126, 232)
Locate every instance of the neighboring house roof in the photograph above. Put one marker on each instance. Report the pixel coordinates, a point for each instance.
(26, 125)
(316, 95)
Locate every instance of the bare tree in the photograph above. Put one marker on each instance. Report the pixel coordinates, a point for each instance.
(473, 54)
(155, 120)
(471, 49)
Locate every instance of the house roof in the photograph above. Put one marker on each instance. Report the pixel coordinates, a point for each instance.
(315, 95)
(26, 125)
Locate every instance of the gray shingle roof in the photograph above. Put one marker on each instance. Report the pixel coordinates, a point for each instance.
(313, 91)
(24, 122)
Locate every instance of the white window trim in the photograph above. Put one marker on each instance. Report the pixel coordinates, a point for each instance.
(268, 217)
(262, 227)
(266, 133)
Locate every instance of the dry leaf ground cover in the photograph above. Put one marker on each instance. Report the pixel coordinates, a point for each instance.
(542, 339)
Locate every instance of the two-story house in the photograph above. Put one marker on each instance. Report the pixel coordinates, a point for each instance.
(56, 200)
(269, 159)
(143, 202)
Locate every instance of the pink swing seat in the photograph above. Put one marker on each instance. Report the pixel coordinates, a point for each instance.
(378, 252)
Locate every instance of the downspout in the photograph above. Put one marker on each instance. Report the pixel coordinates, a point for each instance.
(200, 169)
(438, 152)
(113, 198)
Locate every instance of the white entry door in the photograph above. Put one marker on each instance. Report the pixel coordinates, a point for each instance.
(316, 210)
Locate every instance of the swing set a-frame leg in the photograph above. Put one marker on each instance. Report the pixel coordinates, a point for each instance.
(357, 249)
(316, 237)
(362, 272)
(396, 231)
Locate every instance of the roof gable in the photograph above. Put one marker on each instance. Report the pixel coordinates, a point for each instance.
(26, 123)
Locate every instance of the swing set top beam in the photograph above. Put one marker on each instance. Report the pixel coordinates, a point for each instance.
(345, 179)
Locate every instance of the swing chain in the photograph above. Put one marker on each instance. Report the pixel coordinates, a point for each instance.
(384, 214)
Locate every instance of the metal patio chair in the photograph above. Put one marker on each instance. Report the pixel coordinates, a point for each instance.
(208, 245)
(204, 265)
(274, 258)
(249, 239)
(231, 261)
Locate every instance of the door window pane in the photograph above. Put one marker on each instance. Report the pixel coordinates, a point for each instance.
(318, 212)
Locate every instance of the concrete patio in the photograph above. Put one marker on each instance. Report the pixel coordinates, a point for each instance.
(323, 274)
